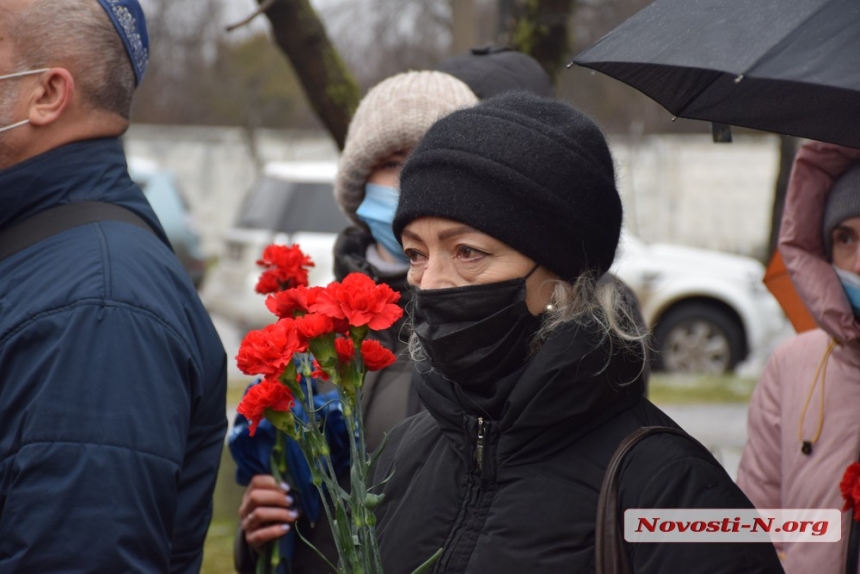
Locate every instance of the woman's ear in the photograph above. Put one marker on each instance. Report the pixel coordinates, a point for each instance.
(539, 289)
(51, 96)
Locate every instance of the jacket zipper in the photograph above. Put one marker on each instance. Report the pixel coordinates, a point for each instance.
(479, 448)
(471, 501)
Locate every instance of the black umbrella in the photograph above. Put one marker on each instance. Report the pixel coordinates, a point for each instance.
(786, 66)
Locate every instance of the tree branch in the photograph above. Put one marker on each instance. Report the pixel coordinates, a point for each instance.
(329, 85)
(265, 5)
(541, 31)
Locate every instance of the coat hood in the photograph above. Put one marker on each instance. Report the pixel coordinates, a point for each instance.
(817, 166)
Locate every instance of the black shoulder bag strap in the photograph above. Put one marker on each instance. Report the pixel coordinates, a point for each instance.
(610, 555)
(56, 219)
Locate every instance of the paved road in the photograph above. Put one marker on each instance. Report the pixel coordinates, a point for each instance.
(720, 427)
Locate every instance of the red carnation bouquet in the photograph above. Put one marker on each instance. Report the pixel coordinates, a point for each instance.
(850, 487)
(320, 333)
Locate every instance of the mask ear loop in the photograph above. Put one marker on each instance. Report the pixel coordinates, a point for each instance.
(24, 73)
(532, 271)
(549, 306)
(15, 125)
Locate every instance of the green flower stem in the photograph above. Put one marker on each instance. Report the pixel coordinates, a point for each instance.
(360, 487)
(267, 561)
(264, 560)
(350, 514)
(325, 478)
(428, 563)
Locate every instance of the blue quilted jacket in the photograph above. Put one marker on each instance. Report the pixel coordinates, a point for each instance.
(112, 383)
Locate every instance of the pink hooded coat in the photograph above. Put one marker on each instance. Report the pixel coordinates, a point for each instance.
(773, 471)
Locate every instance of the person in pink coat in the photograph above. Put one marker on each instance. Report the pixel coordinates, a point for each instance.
(804, 428)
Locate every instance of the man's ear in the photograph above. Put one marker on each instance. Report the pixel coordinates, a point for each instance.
(51, 97)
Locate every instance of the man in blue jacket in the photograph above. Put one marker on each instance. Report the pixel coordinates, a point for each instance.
(112, 377)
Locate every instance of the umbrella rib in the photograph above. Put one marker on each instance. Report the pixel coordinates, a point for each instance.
(752, 66)
(695, 96)
(785, 37)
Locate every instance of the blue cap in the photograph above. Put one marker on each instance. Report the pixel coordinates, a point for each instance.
(127, 17)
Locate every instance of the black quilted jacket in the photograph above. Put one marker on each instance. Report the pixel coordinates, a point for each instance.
(522, 498)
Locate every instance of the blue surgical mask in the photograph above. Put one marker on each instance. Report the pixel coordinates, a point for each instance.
(18, 75)
(377, 211)
(851, 286)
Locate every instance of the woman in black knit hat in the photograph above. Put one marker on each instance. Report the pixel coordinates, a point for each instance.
(529, 367)
(388, 123)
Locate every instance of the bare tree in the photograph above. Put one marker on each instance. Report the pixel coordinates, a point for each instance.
(787, 150)
(329, 85)
(541, 29)
(377, 38)
(183, 39)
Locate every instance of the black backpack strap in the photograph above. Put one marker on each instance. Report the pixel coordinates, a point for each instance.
(610, 555)
(56, 219)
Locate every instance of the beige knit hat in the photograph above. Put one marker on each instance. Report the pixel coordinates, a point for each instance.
(392, 117)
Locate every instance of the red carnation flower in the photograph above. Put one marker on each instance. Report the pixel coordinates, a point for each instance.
(311, 293)
(376, 357)
(318, 372)
(850, 487)
(314, 325)
(285, 268)
(267, 283)
(269, 350)
(290, 302)
(268, 394)
(360, 301)
(285, 304)
(345, 349)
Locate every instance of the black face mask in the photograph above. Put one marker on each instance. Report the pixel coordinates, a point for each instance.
(477, 334)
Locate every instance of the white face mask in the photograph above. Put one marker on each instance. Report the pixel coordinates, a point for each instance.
(18, 75)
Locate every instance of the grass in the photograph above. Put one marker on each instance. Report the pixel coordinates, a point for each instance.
(680, 389)
(236, 388)
(662, 389)
(218, 549)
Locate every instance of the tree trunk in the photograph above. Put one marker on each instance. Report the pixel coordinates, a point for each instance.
(329, 85)
(787, 149)
(541, 31)
(462, 26)
(504, 21)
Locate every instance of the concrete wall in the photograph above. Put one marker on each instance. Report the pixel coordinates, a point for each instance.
(689, 190)
(216, 166)
(676, 189)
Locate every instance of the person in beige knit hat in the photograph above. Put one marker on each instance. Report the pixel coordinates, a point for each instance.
(389, 122)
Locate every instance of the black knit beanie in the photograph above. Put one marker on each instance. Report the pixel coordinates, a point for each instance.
(493, 70)
(532, 172)
(843, 202)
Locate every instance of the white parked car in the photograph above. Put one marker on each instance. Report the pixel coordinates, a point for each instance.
(708, 310)
(292, 202)
(170, 206)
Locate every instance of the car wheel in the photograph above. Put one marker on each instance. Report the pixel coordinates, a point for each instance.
(697, 338)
